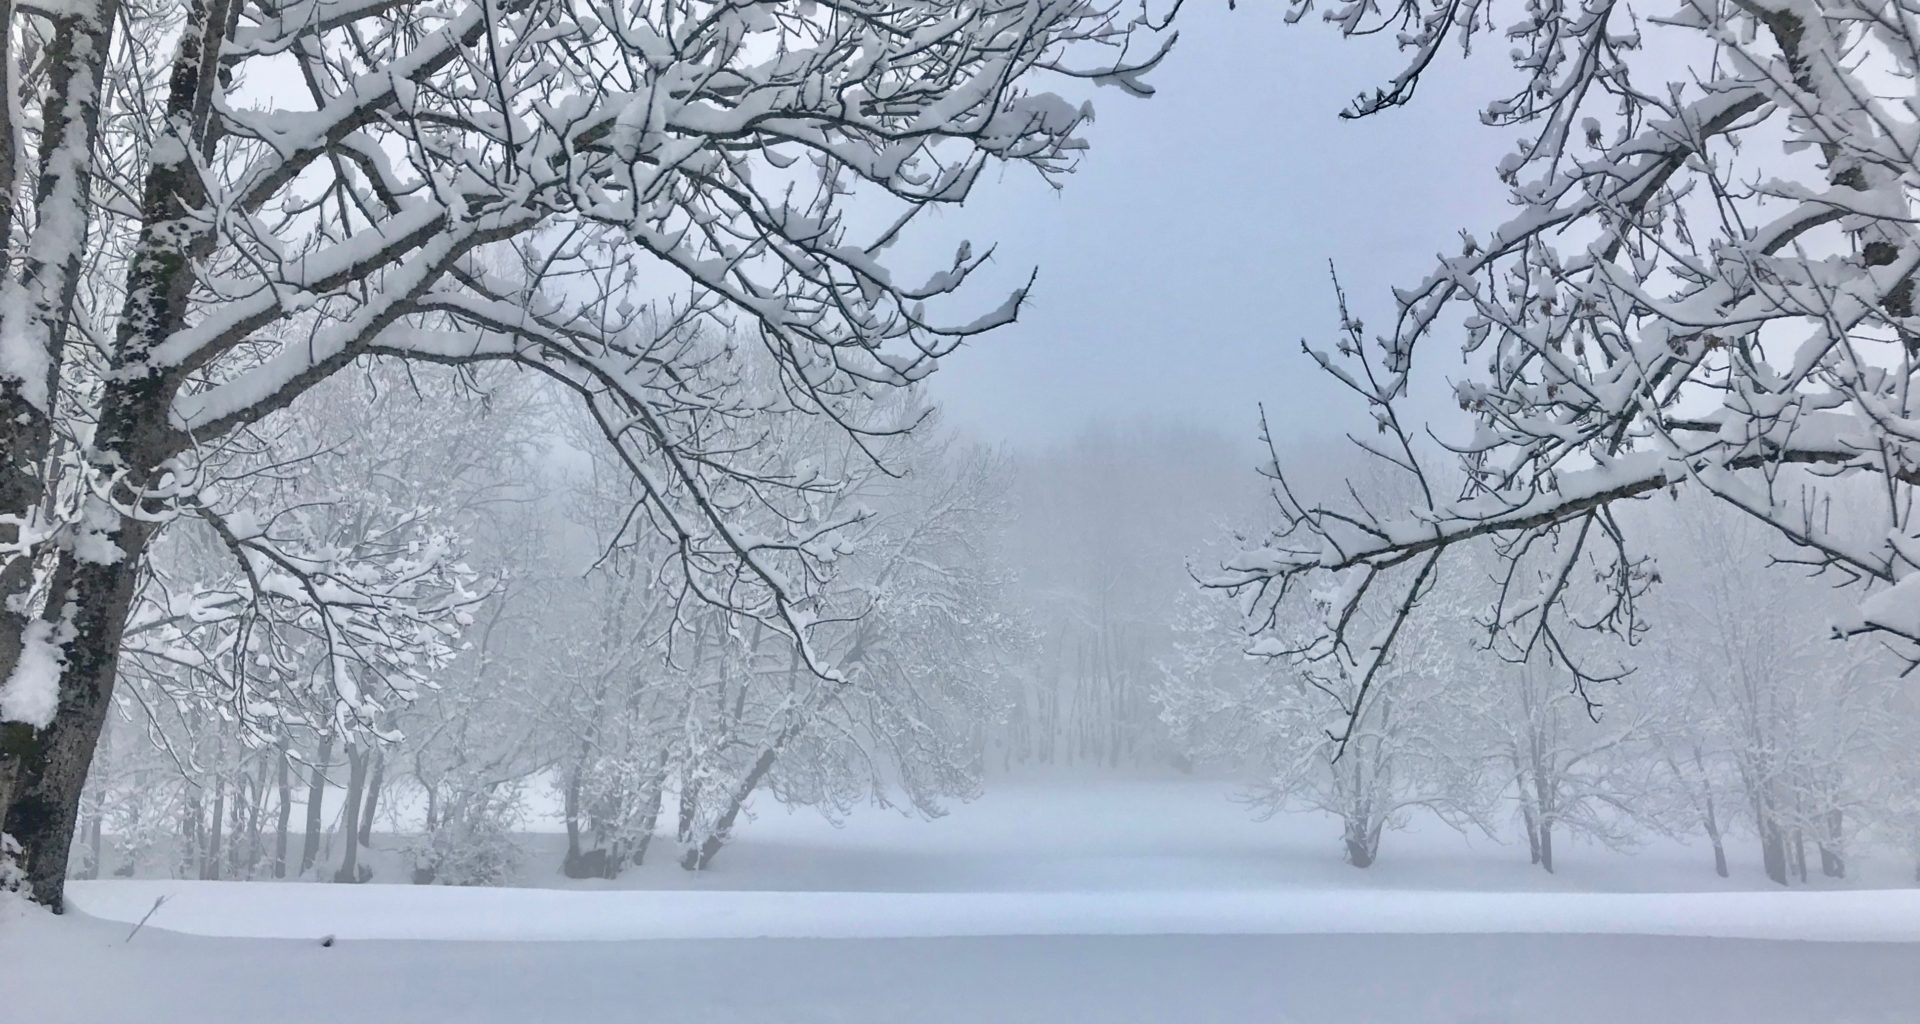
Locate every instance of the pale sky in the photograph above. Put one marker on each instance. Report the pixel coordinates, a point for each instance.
(1187, 257)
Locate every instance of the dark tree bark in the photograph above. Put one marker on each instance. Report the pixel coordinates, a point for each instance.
(1362, 843)
(245, 857)
(689, 807)
(192, 834)
(357, 759)
(1773, 852)
(284, 780)
(50, 764)
(1833, 862)
(578, 863)
(316, 795)
(210, 856)
(372, 799)
(132, 437)
(650, 819)
(1711, 820)
(697, 858)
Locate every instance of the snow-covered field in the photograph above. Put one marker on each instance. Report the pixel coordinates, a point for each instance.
(1142, 901)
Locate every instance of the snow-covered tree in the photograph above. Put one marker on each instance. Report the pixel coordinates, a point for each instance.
(1317, 736)
(227, 670)
(212, 207)
(1571, 772)
(1706, 283)
(1785, 716)
(675, 716)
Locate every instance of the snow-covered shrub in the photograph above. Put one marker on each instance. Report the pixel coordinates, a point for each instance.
(472, 843)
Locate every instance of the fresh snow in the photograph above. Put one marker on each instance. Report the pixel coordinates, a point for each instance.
(299, 910)
(85, 972)
(31, 694)
(1070, 900)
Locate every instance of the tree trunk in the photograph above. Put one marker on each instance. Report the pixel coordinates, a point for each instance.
(284, 779)
(94, 844)
(41, 770)
(372, 801)
(350, 815)
(570, 865)
(1711, 820)
(316, 796)
(1833, 862)
(697, 858)
(188, 865)
(51, 764)
(1773, 852)
(244, 858)
(689, 807)
(650, 818)
(210, 858)
(1359, 841)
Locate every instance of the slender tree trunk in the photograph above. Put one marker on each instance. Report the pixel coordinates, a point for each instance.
(372, 801)
(570, 865)
(94, 844)
(698, 858)
(689, 806)
(1833, 862)
(244, 858)
(650, 818)
(1712, 823)
(284, 780)
(316, 797)
(240, 827)
(350, 813)
(190, 835)
(210, 861)
(357, 759)
(1773, 851)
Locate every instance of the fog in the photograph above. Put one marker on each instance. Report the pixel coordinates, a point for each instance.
(958, 511)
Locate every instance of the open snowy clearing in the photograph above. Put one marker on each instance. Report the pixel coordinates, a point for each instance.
(1063, 901)
(1056, 857)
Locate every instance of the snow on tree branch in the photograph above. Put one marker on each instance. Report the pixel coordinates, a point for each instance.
(1707, 283)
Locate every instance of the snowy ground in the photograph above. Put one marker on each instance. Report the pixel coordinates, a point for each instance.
(1058, 903)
